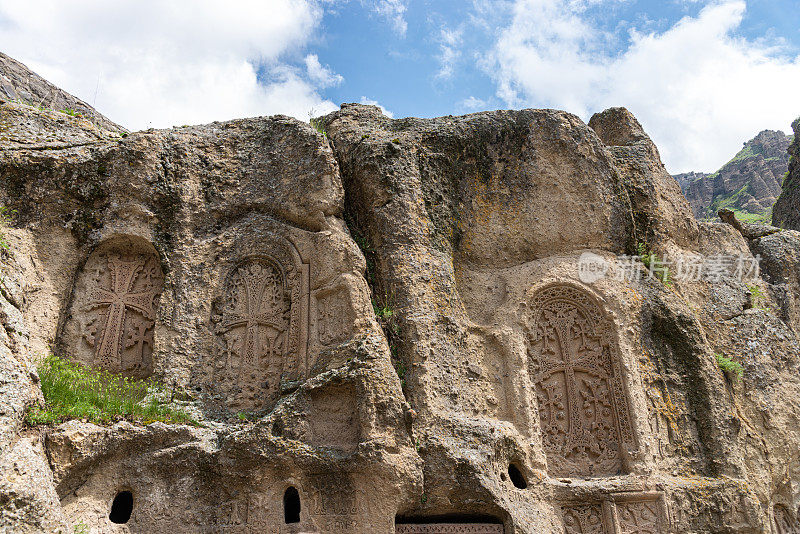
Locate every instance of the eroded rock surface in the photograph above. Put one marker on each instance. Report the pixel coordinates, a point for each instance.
(19, 84)
(786, 212)
(750, 182)
(503, 386)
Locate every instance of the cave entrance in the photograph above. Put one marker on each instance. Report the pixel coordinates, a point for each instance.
(291, 505)
(121, 508)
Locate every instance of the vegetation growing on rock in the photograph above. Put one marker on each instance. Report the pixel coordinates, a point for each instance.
(72, 391)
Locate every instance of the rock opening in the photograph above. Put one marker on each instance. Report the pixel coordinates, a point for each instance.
(291, 505)
(121, 508)
(516, 477)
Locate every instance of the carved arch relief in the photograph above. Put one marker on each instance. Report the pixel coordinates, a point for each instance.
(115, 306)
(260, 327)
(575, 369)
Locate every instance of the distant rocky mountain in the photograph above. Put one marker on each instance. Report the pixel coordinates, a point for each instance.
(748, 184)
(786, 213)
(21, 85)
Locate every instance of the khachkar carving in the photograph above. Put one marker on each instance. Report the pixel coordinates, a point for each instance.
(261, 329)
(335, 504)
(629, 513)
(335, 320)
(122, 307)
(640, 517)
(583, 519)
(476, 528)
(574, 365)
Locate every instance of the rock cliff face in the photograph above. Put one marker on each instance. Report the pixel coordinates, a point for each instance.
(748, 184)
(786, 213)
(524, 372)
(20, 85)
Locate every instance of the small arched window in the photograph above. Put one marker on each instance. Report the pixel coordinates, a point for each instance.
(121, 508)
(291, 505)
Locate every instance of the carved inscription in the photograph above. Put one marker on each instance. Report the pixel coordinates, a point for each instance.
(574, 363)
(583, 519)
(639, 517)
(335, 321)
(121, 311)
(334, 419)
(255, 330)
(476, 528)
(335, 502)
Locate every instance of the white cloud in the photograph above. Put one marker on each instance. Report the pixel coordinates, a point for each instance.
(393, 11)
(698, 89)
(472, 104)
(323, 75)
(370, 102)
(449, 52)
(160, 64)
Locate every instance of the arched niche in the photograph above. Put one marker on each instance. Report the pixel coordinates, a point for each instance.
(573, 360)
(111, 320)
(260, 324)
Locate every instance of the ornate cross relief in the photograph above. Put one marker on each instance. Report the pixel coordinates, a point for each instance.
(122, 302)
(583, 519)
(574, 365)
(639, 517)
(261, 330)
(636, 513)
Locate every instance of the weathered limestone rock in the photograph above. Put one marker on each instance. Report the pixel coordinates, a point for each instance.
(518, 377)
(19, 84)
(659, 211)
(750, 182)
(786, 212)
(214, 259)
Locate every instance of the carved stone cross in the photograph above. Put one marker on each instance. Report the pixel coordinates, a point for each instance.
(256, 299)
(118, 301)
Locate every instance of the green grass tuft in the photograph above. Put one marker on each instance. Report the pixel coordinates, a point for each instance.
(73, 391)
(660, 269)
(729, 366)
(71, 112)
(319, 125)
(5, 220)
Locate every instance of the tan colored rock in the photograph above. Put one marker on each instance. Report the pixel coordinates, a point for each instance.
(525, 373)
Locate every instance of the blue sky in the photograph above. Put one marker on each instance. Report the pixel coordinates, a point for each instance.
(702, 76)
(403, 70)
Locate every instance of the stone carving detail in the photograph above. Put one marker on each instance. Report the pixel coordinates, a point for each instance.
(258, 329)
(334, 323)
(476, 528)
(335, 504)
(784, 523)
(574, 364)
(122, 304)
(583, 519)
(639, 517)
(618, 513)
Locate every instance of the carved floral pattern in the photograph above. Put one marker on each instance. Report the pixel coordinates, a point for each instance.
(449, 529)
(583, 519)
(574, 365)
(639, 517)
